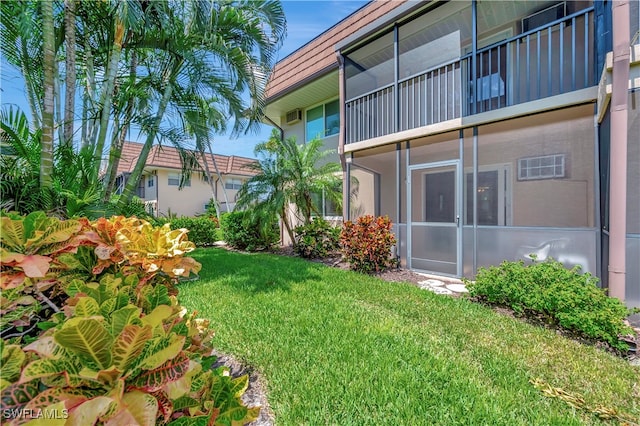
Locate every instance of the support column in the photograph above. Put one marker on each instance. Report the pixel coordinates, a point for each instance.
(341, 140)
(618, 166)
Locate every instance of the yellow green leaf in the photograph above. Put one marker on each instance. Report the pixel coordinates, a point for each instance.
(45, 347)
(182, 386)
(129, 345)
(53, 415)
(123, 317)
(12, 359)
(163, 351)
(138, 408)
(89, 412)
(158, 315)
(11, 234)
(87, 307)
(87, 338)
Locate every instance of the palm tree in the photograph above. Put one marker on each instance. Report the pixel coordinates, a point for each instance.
(21, 44)
(288, 176)
(144, 63)
(70, 70)
(211, 51)
(49, 64)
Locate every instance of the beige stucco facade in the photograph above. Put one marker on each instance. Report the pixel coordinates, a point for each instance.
(167, 199)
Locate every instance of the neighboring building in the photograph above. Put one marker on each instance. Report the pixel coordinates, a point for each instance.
(159, 184)
(481, 128)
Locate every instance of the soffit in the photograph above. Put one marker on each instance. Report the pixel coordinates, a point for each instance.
(319, 54)
(314, 92)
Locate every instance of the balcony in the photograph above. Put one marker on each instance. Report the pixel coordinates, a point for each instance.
(548, 60)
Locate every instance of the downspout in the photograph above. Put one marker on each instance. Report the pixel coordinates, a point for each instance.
(276, 126)
(618, 165)
(346, 175)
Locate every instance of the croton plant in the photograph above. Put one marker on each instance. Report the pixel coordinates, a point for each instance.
(92, 332)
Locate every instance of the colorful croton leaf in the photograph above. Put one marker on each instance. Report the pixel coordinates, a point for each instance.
(28, 246)
(119, 349)
(158, 249)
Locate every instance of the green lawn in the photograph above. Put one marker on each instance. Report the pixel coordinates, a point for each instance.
(340, 348)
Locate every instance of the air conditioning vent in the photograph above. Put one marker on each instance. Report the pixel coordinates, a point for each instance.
(294, 116)
(544, 16)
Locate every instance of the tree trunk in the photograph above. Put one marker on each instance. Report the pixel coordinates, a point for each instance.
(58, 104)
(212, 184)
(107, 94)
(116, 147)
(70, 71)
(224, 189)
(46, 156)
(88, 125)
(287, 226)
(134, 178)
(31, 92)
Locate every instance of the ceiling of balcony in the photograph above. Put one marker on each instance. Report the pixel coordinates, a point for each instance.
(455, 17)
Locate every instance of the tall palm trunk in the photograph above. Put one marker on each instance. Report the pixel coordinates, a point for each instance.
(212, 184)
(46, 156)
(88, 124)
(70, 71)
(284, 214)
(224, 189)
(116, 146)
(134, 178)
(107, 93)
(32, 98)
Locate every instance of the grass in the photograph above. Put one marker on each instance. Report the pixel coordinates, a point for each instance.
(339, 348)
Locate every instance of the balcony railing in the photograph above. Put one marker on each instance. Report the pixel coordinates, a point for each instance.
(550, 60)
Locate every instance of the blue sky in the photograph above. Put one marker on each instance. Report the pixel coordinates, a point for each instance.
(306, 19)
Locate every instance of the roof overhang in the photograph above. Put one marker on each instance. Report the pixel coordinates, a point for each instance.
(304, 94)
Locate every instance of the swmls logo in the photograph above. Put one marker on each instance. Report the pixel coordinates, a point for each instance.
(34, 413)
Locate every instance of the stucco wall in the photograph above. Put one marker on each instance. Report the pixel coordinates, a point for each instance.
(558, 202)
(190, 200)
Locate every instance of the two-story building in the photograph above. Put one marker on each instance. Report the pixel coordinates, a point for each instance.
(481, 128)
(159, 186)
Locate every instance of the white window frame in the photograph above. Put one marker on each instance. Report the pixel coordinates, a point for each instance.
(233, 183)
(176, 177)
(525, 167)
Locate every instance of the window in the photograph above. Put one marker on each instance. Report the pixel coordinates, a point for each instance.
(494, 195)
(174, 180)
(545, 167)
(323, 120)
(232, 183)
(150, 182)
(325, 205)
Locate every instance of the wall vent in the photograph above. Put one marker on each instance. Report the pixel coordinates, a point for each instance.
(544, 16)
(294, 116)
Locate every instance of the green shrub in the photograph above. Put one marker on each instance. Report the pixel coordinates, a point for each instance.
(202, 229)
(246, 231)
(367, 244)
(92, 328)
(564, 296)
(316, 239)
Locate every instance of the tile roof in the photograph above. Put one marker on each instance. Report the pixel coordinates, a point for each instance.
(168, 157)
(319, 54)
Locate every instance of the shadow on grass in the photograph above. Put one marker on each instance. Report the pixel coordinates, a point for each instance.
(252, 272)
